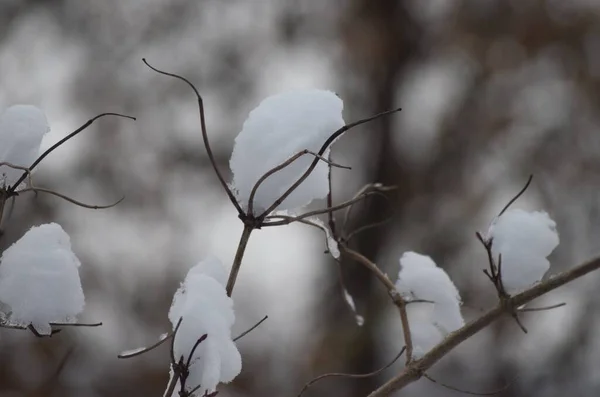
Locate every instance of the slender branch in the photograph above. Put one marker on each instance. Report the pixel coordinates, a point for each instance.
(60, 143)
(417, 368)
(139, 352)
(394, 294)
(71, 200)
(281, 166)
(191, 355)
(473, 393)
(515, 198)
(239, 255)
(209, 152)
(541, 309)
(312, 166)
(355, 376)
(246, 332)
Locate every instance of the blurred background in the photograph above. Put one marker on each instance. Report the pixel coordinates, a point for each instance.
(491, 91)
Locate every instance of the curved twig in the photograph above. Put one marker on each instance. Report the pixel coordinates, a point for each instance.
(62, 141)
(355, 376)
(139, 352)
(473, 393)
(209, 152)
(281, 166)
(312, 166)
(517, 196)
(70, 200)
(541, 309)
(246, 332)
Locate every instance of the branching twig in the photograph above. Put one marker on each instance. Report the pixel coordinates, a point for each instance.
(312, 166)
(417, 368)
(355, 376)
(59, 143)
(280, 167)
(209, 152)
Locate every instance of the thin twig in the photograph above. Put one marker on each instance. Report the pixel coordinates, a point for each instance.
(541, 309)
(246, 332)
(209, 152)
(394, 294)
(76, 324)
(417, 368)
(312, 166)
(330, 217)
(515, 198)
(71, 200)
(355, 376)
(59, 143)
(191, 355)
(139, 352)
(473, 393)
(280, 167)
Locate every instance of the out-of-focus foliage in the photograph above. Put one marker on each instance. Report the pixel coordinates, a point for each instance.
(491, 90)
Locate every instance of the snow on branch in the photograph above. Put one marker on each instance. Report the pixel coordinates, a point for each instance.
(39, 280)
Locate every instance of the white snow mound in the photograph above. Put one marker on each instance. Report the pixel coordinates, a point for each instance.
(39, 279)
(281, 126)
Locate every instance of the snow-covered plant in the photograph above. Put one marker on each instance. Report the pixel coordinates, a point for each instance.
(282, 126)
(39, 279)
(421, 280)
(22, 128)
(521, 241)
(204, 309)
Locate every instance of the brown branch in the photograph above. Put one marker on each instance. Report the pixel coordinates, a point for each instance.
(516, 197)
(239, 255)
(473, 393)
(321, 151)
(394, 294)
(246, 332)
(355, 376)
(138, 352)
(71, 200)
(209, 152)
(60, 143)
(417, 368)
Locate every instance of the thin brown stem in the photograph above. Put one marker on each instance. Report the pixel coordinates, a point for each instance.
(246, 332)
(239, 255)
(312, 166)
(71, 200)
(209, 152)
(417, 368)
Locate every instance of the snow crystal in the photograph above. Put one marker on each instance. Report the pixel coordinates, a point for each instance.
(39, 279)
(205, 308)
(524, 239)
(280, 127)
(22, 128)
(421, 279)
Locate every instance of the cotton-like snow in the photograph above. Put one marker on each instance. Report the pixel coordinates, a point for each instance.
(22, 128)
(421, 279)
(524, 239)
(281, 126)
(205, 308)
(39, 279)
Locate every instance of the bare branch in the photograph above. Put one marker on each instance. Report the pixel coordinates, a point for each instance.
(246, 332)
(71, 200)
(473, 393)
(540, 309)
(417, 368)
(209, 152)
(239, 255)
(138, 352)
(281, 167)
(507, 206)
(355, 376)
(60, 143)
(312, 166)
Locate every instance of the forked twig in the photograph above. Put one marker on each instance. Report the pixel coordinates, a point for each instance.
(62, 141)
(473, 393)
(246, 332)
(280, 167)
(354, 376)
(312, 166)
(209, 152)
